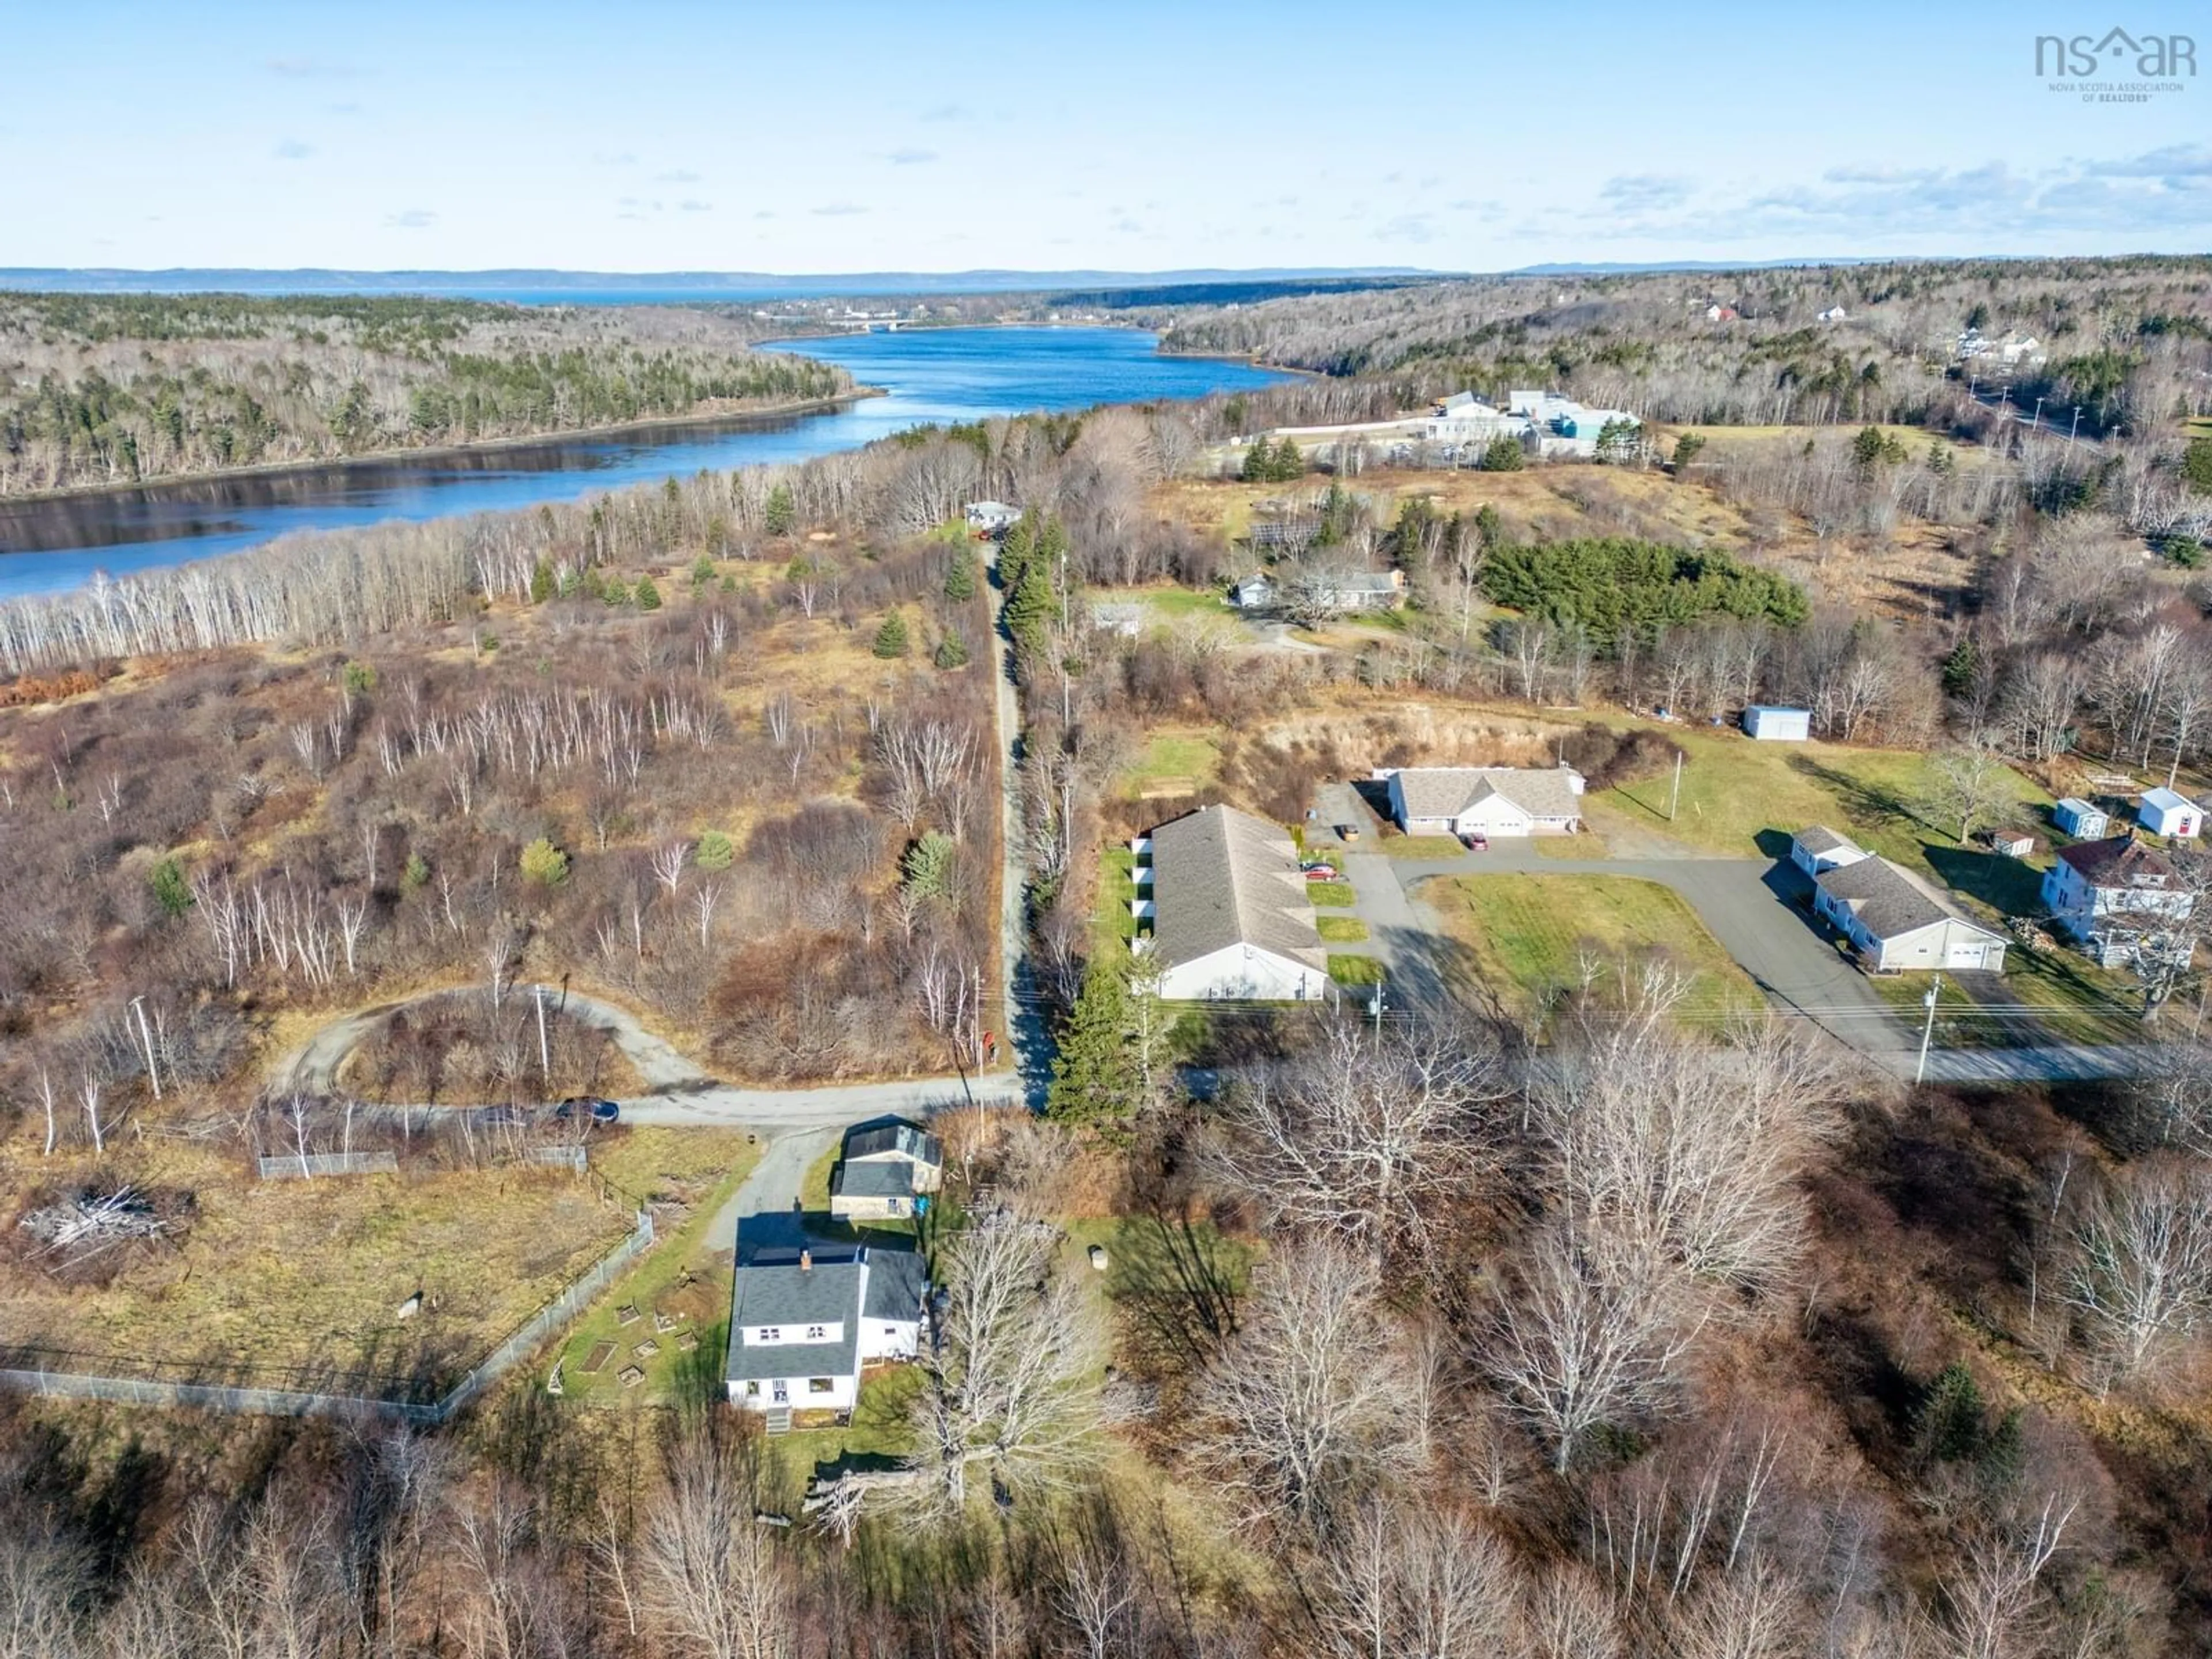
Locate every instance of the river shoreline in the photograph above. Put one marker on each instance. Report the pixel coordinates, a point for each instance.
(172, 481)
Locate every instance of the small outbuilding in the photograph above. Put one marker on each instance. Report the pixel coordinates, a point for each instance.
(992, 519)
(2170, 812)
(1772, 724)
(1254, 592)
(2078, 818)
(886, 1173)
(2014, 843)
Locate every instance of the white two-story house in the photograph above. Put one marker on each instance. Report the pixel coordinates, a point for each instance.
(805, 1322)
(2107, 895)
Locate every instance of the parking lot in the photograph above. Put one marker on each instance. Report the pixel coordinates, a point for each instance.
(1751, 907)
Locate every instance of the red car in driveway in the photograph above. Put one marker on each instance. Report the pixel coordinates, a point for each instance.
(1476, 841)
(1321, 872)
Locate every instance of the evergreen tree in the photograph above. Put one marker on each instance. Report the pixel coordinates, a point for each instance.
(891, 638)
(1962, 667)
(1488, 526)
(544, 863)
(1096, 1083)
(927, 868)
(2197, 465)
(960, 575)
(715, 851)
(171, 890)
(1617, 441)
(542, 586)
(1503, 454)
(782, 511)
(1868, 449)
(1686, 449)
(649, 596)
(952, 651)
(702, 572)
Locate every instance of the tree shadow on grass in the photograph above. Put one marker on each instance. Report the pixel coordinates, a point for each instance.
(1865, 800)
(2011, 887)
(1176, 1283)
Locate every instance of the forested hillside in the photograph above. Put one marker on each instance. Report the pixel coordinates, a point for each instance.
(109, 389)
(2126, 338)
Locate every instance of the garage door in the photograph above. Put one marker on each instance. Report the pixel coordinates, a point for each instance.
(1966, 955)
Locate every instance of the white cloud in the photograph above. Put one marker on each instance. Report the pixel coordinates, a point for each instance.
(837, 210)
(311, 68)
(912, 156)
(680, 176)
(411, 219)
(293, 149)
(690, 204)
(1645, 192)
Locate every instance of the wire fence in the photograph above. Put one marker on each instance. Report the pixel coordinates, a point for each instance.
(307, 1165)
(57, 1371)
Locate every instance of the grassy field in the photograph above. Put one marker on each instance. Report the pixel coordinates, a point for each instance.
(1523, 938)
(279, 1277)
(1421, 847)
(681, 1276)
(2044, 997)
(1341, 930)
(1331, 895)
(1172, 763)
(1743, 798)
(1346, 969)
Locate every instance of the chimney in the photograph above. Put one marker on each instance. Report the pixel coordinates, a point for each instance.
(806, 1260)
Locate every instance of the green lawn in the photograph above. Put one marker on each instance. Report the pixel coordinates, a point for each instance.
(1743, 797)
(682, 1274)
(1341, 930)
(1330, 895)
(1346, 969)
(1116, 887)
(1524, 939)
(1421, 847)
(1172, 764)
(1172, 602)
(1584, 846)
(2055, 996)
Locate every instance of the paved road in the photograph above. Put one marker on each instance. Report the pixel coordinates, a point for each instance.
(1751, 907)
(677, 1090)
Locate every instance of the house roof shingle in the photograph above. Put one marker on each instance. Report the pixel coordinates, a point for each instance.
(1888, 900)
(1445, 792)
(1222, 877)
(844, 1284)
(2119, 862)
(907, 1139)
(1818, 838)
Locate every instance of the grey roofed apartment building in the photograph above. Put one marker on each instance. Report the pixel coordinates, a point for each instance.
(1231, 919)
(805, 1319)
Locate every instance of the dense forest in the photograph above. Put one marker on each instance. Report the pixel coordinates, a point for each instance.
(2128, 339)
(109, 389)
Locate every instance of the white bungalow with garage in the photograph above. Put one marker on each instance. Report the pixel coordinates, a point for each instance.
(806, 1320)
(1899, 925)
(1486, 800)
(1231, 922)
(1818, 849)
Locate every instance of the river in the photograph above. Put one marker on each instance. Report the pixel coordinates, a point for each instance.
(933, 374)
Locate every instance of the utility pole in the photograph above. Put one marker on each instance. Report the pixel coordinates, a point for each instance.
(1375, 1007)
(2076, 427)
(1674, 800)
(544, 1053)
(1927, 1031)
(146, 1037)
(2036, 419)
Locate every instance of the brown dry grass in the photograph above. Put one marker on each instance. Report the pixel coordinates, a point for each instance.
(309, 1274)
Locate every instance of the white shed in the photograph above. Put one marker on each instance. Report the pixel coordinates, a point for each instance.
(1773, 724)
(2169, 813)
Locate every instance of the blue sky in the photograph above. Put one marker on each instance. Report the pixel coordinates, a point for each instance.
(1143, 135)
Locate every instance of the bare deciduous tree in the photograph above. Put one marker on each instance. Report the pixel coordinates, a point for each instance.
(1312, 1401)
(708, 1574)
(1009, 1381)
